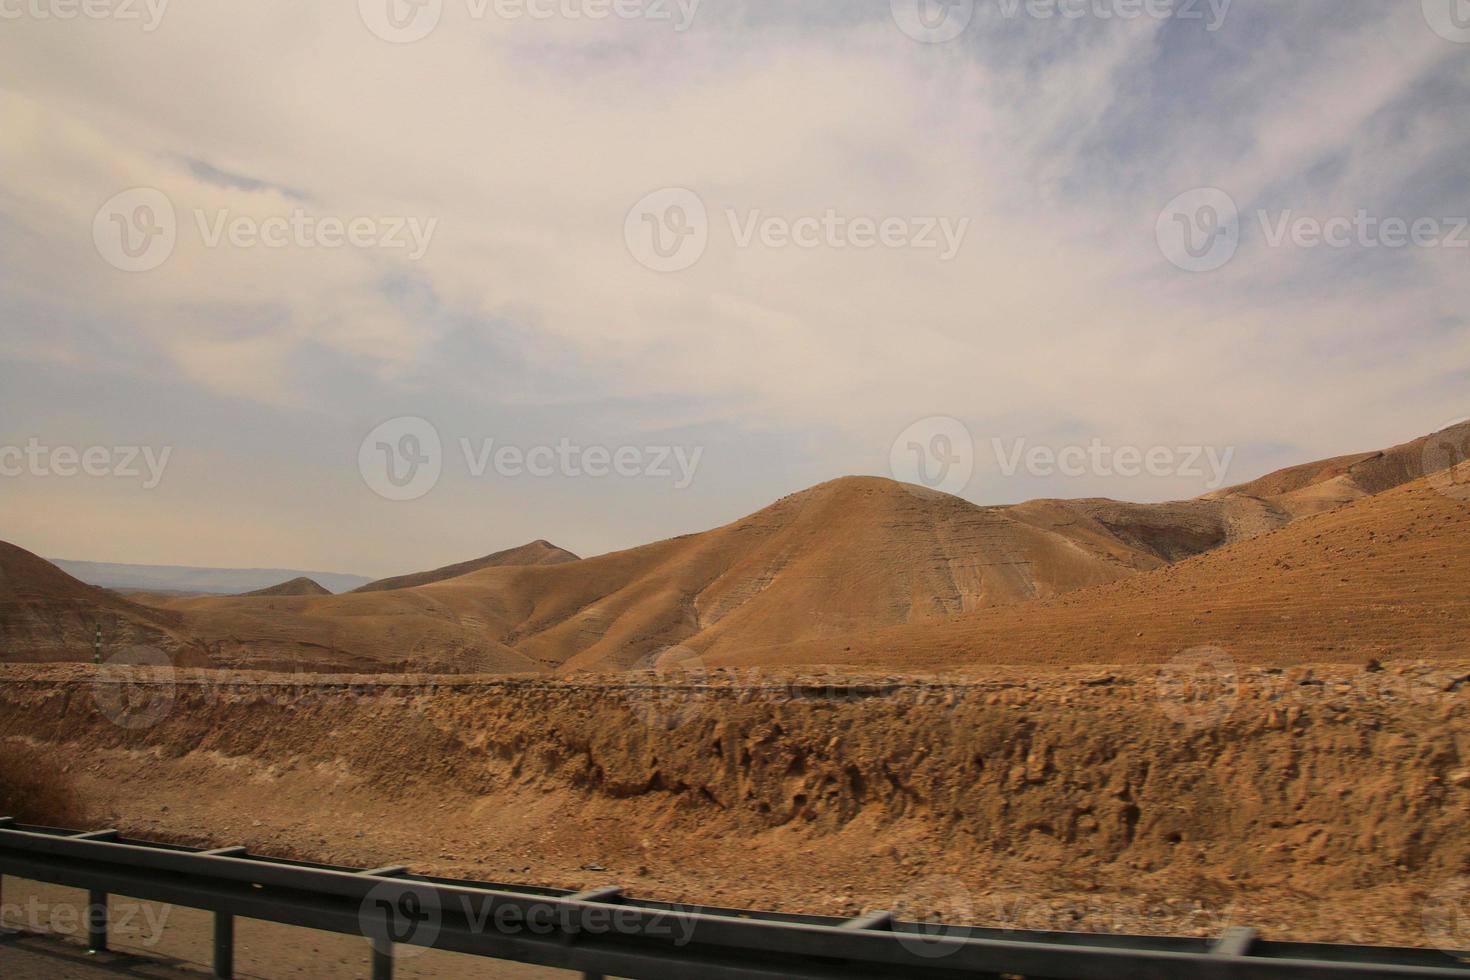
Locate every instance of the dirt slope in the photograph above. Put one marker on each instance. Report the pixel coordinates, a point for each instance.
(535, 553)
(1316, 487)
(1030, 798)
(297, 586)
(45, 614)
(1382, 577)
(397, 631)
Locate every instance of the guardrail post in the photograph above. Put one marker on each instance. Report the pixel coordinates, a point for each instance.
(224, 946)
(4, 822)
(1236, 942)
(382, 963)
(96, 922)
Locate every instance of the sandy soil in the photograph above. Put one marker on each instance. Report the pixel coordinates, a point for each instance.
(1325, 804)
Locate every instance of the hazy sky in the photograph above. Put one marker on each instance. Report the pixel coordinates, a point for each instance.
(776, 235)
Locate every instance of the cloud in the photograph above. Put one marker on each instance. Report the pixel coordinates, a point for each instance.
(529, 140)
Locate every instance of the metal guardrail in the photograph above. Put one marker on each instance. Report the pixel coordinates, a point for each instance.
(604, 933)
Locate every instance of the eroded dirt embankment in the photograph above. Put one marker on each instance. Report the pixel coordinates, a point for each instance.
(1323, 807)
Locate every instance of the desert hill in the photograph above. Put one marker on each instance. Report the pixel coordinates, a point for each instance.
(1381, 577)
(852, 554)
(535, 553)
(847, 555)
(297, 586)
(404, 630)
(818, 573)
(45, 614)
(1315, 487)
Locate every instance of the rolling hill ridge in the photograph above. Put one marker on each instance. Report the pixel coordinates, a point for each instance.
(820, 573)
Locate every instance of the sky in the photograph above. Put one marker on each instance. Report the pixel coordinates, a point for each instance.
(376, 286)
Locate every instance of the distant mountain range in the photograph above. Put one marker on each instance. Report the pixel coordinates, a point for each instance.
(211, 581)
(1361, 556)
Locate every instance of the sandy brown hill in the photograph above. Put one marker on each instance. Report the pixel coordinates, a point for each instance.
(836, 562)
(404, 630)
(1381, 577)
(1167, 531)
(1312, 488)
(851, 555)
(45, 614)
(297, 586)
(535, 553)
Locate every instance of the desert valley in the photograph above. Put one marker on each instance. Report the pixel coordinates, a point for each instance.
(1055, 715)
(1339, 560)
(652, 489)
